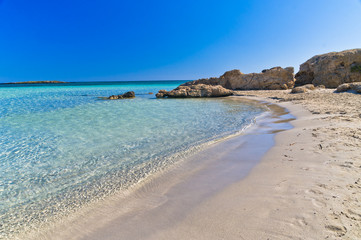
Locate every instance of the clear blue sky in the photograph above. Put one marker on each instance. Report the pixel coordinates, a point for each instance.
(79, 40)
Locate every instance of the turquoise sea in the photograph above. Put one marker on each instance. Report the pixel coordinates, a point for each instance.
(62, 147)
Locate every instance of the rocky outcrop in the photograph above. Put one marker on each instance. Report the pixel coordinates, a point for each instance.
(276, 78)
(122, 96)
(331, 69)
(349, 87)
(195, 91)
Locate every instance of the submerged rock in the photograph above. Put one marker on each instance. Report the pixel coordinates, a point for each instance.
(130, 94)
(276, 78)
(195, 91)
(331, 69)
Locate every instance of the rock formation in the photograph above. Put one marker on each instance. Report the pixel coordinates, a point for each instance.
(331, 69)
(349, 86)
(276, 78)
(195, 91)
(122, 96)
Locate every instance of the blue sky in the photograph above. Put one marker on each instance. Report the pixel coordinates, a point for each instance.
(81, 40)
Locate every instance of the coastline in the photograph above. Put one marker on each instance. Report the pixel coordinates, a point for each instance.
(206, 168)
(306, 186)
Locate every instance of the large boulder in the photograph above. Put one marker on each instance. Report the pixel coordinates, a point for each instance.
(195, 91)
(331, 69)
(276, 78)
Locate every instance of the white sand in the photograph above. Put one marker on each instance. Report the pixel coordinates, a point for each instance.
(308, 186)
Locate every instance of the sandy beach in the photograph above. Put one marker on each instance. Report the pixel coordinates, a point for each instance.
(307, 186)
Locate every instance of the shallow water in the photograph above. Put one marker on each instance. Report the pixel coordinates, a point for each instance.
(62, 147)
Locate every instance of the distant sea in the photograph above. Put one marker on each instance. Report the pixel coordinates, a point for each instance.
(61, 147)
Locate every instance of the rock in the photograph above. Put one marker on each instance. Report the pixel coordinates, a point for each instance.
(161, 93)
(331, 69)
(343, 87)
(195, 91)
(349, 87)
(299, 90)
(303, 89)
(309, 86)
(276, 78)
(357, 88)
(122, 96)
(150, 93)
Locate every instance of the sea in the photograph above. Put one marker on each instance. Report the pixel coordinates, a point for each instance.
(63, 147)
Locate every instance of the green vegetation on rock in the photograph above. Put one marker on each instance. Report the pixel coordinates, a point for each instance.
(356, 68)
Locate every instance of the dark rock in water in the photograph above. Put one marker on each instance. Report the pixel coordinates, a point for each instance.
(150, 93)
(130, 94)
(331, 69)
(195, 91)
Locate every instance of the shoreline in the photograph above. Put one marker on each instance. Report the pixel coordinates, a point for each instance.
(200, 164)
(307, 186)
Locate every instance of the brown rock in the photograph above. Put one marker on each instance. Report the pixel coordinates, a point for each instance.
(343, 87)
(195, 91)
(303, 89)
(299, 90)
(276, 78)
(309, 86)
(331, 69)
(349, 87)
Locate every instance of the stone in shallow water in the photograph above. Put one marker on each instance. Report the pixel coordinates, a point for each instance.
(130, 94)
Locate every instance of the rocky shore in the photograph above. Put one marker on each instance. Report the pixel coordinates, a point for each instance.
(322, 71)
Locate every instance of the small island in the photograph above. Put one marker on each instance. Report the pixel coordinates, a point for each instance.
(35, 82)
